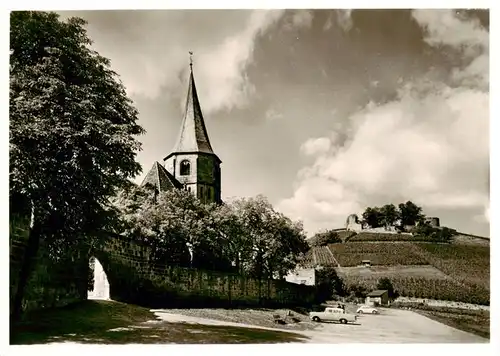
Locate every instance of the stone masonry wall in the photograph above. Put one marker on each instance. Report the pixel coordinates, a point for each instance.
(134, 279)
(52, 283)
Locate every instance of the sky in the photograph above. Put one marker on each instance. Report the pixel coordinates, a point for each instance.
(324, 112)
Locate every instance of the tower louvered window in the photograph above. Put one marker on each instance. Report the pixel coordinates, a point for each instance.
(185, 168)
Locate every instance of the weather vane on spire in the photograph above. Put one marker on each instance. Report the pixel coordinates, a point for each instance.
(191, 59)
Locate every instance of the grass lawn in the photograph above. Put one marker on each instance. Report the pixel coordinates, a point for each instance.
(108, 322)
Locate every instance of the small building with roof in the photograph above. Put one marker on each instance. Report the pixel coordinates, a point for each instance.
(366, 263)
(377, 297)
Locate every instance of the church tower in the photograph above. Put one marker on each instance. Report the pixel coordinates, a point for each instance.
(192, 162)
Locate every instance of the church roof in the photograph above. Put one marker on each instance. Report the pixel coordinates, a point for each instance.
(160, 178)
(193, 135)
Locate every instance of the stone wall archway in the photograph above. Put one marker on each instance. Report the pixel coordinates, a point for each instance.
(101, 288)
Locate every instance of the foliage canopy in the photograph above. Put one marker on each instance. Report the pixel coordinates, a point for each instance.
(246, 236)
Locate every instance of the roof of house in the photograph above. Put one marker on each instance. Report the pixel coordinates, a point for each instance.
(160, 178)
(376, 293)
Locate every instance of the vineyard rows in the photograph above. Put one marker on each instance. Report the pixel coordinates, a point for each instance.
(465, 263)
(324, 257)
(467, 267)
(425, 271)
(381, 237)
(308, 259)
(440, 289)
(351, 254)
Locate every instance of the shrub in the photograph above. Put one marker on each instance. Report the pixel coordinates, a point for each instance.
(385, 283)
(325, 238)
(425, 230)
(329, 284)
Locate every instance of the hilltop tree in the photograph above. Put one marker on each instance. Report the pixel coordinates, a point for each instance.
(443, 234)
(407, 213)
(325, 238)
(373, 217)
(72, 134)
(410, 214)
(389, 214)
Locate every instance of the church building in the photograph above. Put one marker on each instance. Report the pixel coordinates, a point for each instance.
(192, 164)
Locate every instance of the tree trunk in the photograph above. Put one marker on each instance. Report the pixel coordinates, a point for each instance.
(191, 254)
(26, 268)
(259, 274)
(238, 267)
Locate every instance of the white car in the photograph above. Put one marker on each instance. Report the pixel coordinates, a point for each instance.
(366, 309)
(333, 314)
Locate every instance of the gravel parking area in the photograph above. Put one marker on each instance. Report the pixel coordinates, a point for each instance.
(390, 326)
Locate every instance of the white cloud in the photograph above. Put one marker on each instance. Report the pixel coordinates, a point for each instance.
(430, 145)
(223, 69)
(315, 146)
(484, 217)
(444, 28)
(273, 115)
(149, 49)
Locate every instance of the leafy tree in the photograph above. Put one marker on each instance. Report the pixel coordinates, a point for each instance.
(410, 214)
(72, 134)
(389, 215)
(385, 283)
(407, 213)
(175, 224)
(325, 238)
(357, 291)
(246, 235)
(227, 229)
(423, 229)
(443, 234)
(373, 217)
(274, 243)
(328, 283)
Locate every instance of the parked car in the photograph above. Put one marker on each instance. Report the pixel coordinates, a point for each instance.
(366, 309)
(333, 314)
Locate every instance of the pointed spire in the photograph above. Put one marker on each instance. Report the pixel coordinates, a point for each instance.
(193, 135)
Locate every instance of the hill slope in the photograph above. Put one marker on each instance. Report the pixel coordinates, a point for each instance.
(455, 271)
